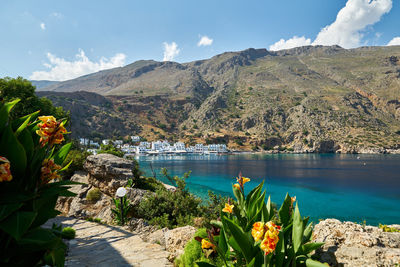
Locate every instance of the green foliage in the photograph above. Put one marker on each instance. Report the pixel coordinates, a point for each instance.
(386, 228)
(193, 252)
(96, 220)
(93, 195)
(77, 158)
(120, 212)
(235, 243)
(110, 149)
(19, 88)
(68, 233)
(170, 208)
(28, 201)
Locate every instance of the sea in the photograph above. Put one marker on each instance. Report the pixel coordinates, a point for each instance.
(359, 188)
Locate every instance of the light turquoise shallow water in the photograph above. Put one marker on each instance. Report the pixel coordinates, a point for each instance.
(327, 186)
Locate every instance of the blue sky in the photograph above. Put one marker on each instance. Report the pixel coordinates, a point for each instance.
(60, 40)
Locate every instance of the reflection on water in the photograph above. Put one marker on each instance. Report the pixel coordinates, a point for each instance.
(346, 185)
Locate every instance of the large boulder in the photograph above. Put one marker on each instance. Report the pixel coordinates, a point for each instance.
(108, 172)
(176, 239)
(351, 244)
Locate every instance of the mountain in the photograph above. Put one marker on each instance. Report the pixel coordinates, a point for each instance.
(317, 98)
(42, 84)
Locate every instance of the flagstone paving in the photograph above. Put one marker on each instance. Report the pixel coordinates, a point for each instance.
(105, 245)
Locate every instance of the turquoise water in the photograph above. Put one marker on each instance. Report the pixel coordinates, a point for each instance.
(327, 185)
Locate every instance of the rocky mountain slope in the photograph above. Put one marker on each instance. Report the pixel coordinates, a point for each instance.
(311, 98)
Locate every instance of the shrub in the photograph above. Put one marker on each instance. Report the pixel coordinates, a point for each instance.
(110, 149)
(68, 233)
(170, 209)
(30, 163)
(93, 195)
(76, 158)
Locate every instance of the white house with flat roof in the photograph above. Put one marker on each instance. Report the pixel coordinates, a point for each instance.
(135, 138)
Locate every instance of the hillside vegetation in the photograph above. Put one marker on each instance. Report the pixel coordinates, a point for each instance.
(309, 98)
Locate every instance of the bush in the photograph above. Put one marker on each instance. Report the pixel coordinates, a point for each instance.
(68, 233)
(93, 195)
(77, 158)
(170, 209)
(110, 149)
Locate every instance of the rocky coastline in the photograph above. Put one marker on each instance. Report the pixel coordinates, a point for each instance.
(346, 243)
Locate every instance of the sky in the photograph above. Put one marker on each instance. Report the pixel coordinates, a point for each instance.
(65, 39)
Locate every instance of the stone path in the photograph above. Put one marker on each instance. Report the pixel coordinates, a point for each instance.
(105, 245)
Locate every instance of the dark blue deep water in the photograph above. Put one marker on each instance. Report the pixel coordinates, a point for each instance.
(326, 185)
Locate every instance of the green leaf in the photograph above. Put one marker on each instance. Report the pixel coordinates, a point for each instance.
(222, 243)
(280, 249)
(241, 238)
(310, 247)
(38, 239)
(18, 223)
(205, 264)
(313, 263)
(298, 229)
(7, 209)
(269, 209)
(26, 141)
(4, 111)
(307, 233)
(238, 194)
(22, 127)
(66, 166)
(253, 195)
(17, 122)
(12, 149)
(284, 211)
(60, 156)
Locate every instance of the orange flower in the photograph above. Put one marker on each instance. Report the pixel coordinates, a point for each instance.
(258, 231)
(242, 180)
(271, 237)
(293, 199)
(5, 172)
(228, 208)
(237, 186)
(205, 244)
(49, 171)
(50, 131)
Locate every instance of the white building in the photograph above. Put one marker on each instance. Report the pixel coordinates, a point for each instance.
(95, 144)
(135, 138)
(105, 141)
(118, 142)
(84, 141)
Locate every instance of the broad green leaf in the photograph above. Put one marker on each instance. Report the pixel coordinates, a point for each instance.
(61, 154)
(269, 208)
(313, 263)
(7, 209)
(240, 237)
(38, 239)
(4, 112)
(12, 149)
(66, 166)
(284, 211)
(26, 141)
(222, 243)
(280, 250)
(310, 247)
(22, 126)
(18, 223)
(298, 229)
(17, 122)
(307, 233)
(253, 195)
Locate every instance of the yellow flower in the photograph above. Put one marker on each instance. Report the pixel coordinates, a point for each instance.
(237, 186)
(242, 180)
(228, 208)
(293, 199)
(205, 244)
(258, 231)
(5, 172)
(50, 131)
(49, 171)
(271, 237)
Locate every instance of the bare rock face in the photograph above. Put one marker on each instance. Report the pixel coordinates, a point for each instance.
(351, 244)
(176, 239)
(108, 172)
(79, 206)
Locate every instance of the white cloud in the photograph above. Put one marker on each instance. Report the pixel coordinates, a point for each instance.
(170, 51)
(61, 69)
(290, 43)
(351, 21)
(394, 41)
(56, 15)
(205, 41)
(43, 26)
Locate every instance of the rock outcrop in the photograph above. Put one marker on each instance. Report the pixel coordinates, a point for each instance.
(108, 172)
(351, 244)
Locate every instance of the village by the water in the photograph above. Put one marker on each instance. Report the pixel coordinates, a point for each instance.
(140, 147)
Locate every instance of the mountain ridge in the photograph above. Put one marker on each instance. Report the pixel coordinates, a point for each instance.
(296, 98)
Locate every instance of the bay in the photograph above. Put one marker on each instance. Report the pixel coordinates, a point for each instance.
(347, 187)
